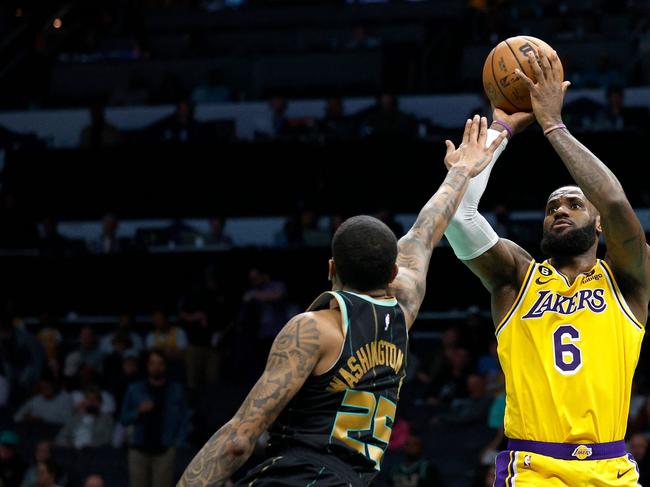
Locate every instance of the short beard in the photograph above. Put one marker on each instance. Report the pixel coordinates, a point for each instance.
(575, 241)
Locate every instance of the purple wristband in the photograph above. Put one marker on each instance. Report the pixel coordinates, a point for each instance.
(505, 126)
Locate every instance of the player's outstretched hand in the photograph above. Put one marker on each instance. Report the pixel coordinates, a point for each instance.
(472, 152)
(547, 94)
(518, 121)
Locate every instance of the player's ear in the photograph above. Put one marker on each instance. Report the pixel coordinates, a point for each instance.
(394, 272)
(331, 271)
(599, 227)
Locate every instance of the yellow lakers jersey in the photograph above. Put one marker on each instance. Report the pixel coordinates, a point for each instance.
(568, 352)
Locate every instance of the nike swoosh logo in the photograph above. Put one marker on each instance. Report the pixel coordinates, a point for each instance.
(540, 282)
(619, 474)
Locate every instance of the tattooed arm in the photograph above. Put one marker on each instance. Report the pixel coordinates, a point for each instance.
(624, 234)
(415, 248)
(294, 354)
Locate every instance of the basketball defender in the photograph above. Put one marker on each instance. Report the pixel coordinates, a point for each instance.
(334, 373)
(569, 329)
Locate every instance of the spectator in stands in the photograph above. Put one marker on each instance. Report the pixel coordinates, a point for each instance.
(50, 405)
(265, 304)
(47, 473)
(50, 339)
(88, 427)
(87, 355)
(638, 447)
(361, 40)
(120, 376)
(217, 234)
(385, 119)
(181, 126)
(611, 116)
(279, 119)
(125, 330)
(88, 382)
(470, 409)
(206, 313)
(488, 366)
(21, 358)
(12, 467)
(604, 75)
(42, 453)
(485, 476)
(172, 340)
(415, 471)
(335, 123)
(94, 481)
(496, 414)
(156, 409)
(108, 242)
(449, 381)
(213, 90)
(312, 234)
(335, 222)
(503, 223)
(120, 346)
(291, 233)
(51, 242)
(614, 116)
(100, 133)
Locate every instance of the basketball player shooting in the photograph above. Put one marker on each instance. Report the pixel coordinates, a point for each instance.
(333, 375)
(569, 329)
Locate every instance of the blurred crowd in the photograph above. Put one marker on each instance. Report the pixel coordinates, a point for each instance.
(156, 387)
(126, 31)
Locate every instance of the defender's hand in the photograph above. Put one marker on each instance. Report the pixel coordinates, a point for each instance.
(472, 154)
(518, 121)
(547, 95)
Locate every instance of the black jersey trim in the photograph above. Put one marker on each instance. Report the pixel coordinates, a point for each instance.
(345, 326)
(379, 302)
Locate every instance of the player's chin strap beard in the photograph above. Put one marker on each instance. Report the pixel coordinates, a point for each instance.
(574, 241)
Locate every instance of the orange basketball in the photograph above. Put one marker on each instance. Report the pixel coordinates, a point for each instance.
(502, 86)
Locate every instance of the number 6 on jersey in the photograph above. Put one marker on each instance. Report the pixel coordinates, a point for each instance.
(568, 357)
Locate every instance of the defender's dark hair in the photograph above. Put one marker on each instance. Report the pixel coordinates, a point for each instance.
(364, 250)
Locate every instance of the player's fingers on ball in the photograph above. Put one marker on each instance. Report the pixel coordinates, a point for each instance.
(529, 82)
(546, 64)
(555, 65)
(537, 69)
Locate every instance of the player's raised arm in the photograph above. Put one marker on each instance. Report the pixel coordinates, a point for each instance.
(293, 356)
(499, 263)
(624, 234)
(415, 248)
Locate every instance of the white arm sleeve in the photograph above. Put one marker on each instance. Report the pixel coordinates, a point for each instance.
(469, 233)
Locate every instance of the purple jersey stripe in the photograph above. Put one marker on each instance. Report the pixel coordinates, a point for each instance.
(569, 451)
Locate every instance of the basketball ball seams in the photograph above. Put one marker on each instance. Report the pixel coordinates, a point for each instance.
(510, 94)
(494, 76)
(514, 54)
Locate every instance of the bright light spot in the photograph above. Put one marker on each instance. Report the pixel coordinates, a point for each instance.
(57, 24)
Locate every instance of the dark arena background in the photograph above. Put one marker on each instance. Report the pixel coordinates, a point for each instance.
(172, 171)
